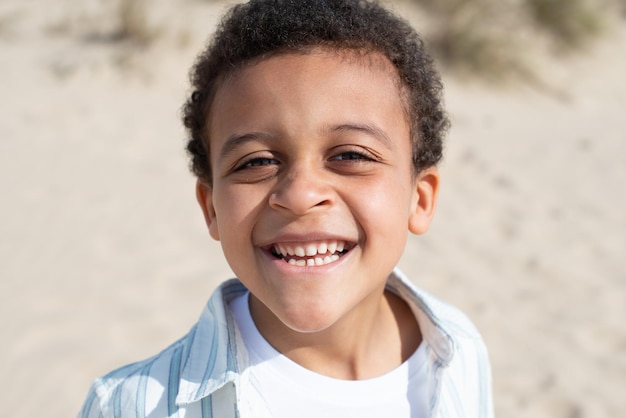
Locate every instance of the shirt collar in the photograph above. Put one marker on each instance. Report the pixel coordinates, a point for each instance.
(212, 355)
(430, 313)
(212, 358)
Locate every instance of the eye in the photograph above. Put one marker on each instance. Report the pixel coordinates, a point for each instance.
(256, 162)
(351, 159)
(352, 155)
(356, 155)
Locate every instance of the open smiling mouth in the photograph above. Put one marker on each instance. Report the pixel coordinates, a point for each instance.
(311, 254)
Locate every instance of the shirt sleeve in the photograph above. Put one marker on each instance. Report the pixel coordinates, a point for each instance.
(92, 407)
(466, 383)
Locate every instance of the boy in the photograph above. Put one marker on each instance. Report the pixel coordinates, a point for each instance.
(315, 127)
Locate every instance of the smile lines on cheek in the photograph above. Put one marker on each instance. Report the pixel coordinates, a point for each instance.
(311, 254)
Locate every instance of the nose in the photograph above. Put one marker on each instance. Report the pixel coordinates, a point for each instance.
(301, 190)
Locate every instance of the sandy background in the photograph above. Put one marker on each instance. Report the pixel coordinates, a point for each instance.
(104, 258)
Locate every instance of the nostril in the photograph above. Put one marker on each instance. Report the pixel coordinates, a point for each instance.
(273, 199)
(323, 202)
(300, 200)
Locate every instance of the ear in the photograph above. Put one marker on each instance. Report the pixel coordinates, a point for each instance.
(424, 200)
(204, 195)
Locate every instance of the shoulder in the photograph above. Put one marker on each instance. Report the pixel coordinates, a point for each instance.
(449, 331)
(127, 390)
(185, 373)
(435, 316)
(458, 354)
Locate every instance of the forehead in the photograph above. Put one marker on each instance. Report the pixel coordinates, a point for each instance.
(365, 82)
(309, 60)
(316, 66)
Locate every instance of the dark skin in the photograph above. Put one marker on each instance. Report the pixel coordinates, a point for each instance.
(325, 360)
(310, 151)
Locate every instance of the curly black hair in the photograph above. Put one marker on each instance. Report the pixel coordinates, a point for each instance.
(262, 28)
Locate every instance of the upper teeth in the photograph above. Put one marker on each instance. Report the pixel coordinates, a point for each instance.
(310, 249)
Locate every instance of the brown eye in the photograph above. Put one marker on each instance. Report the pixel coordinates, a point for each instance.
(351, 156)
(256, 162)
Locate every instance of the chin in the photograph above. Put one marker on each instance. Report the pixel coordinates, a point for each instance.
(309, 321)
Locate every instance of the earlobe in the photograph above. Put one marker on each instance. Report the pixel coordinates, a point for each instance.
(204, 195)
(424, 200)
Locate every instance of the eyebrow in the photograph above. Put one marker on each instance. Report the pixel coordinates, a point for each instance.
(371, 130)
(236, 140)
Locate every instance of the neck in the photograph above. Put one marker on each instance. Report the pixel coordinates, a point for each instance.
(365, 343)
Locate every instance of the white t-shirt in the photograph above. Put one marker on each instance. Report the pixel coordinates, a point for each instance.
(290, 390)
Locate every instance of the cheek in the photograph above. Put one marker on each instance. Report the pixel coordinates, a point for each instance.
(237, 209)
(389, 199)
(384, 213)
(384, 223)
(230, 202)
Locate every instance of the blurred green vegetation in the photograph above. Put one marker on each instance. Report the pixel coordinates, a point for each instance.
(570, 23)
(133, 22)
(492, 38)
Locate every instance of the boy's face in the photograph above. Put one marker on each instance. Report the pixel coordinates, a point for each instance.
(313, 191)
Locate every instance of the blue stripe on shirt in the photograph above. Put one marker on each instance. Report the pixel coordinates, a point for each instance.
(174, 378)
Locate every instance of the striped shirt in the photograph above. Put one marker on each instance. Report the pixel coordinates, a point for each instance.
(204, 373)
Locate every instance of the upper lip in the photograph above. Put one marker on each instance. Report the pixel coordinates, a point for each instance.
(313, 249)
(305, 239)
